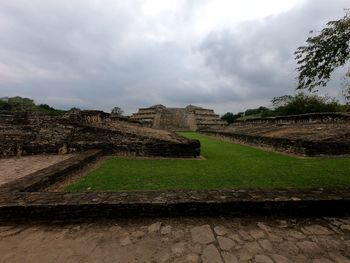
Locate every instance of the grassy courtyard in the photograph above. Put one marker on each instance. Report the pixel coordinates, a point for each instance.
(227, 165)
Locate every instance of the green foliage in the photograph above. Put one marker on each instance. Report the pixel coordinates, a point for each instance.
(302, 103)
(346, 88)
(116, 111)
(227, 165)
(323, 53)
(229, 117)
(259, 112)
(281, 101)
(285, 105)
(17, 103)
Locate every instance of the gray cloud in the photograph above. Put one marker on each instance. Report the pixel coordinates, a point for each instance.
(93, 55)
(259, 55)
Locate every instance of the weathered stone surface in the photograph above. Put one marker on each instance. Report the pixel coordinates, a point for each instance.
(288, 247)
(262, 259)
(225, 243)
(192, 258)
(178, 249)
(138, 234)
(309, 247)
(166, 258)
(264, 227)
(221, 231)
(345, 227)
(321, 260)
(280, 259)
(327, 242)
(275, 238)
(196, 248)
(154, 227)
(265, 244)
(103, 241)
(245, 236)
(253, 247)
(179, 234)
(338, 258)
(165, 230)
(317, 230)
(296, 234)
(236, 238)
(257, 234)
(229, 257)
(124, 241)
(244, 254)
(202, 234)
(211, 255)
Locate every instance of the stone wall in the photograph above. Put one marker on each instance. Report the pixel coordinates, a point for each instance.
(191, 118)
(298, 146)
(35, 133)
(324, 117)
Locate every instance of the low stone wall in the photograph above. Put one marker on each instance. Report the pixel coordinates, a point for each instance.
(66, 206)
(299, 147)
(326, 117)
(55, 173)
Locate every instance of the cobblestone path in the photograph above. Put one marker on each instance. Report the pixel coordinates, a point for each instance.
(207, 240)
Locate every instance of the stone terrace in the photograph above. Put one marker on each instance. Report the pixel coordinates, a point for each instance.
(306, 134)
(14, 168)
(189, 118)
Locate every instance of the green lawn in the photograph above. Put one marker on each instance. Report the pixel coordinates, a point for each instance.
(228, 165)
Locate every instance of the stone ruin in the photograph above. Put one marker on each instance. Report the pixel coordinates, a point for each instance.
(312, 134)
(190, 118)
(25, 133)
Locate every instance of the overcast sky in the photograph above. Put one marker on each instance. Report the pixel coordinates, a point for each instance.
(96, 54)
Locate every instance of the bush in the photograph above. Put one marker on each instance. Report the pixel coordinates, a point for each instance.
(302, 103)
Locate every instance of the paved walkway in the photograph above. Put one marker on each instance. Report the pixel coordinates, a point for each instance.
(17, 167)
(207, 240)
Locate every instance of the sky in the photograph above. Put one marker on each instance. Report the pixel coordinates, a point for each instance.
(97, 54)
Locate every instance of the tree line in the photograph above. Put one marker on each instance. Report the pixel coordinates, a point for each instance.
(299, 103)
(19, 104)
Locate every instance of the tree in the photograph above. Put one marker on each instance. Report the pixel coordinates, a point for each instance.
(346, 88)
(258, 112)
(20, 104)
(302, 103)
(229, 117)
(281, 101)
(323, 53)
(116, 111)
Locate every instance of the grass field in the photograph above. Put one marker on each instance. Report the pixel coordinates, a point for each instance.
(228, 165)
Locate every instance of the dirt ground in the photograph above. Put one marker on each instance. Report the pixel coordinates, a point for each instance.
(17, 167)
(207, 240)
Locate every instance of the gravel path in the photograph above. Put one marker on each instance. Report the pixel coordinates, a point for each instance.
(206, 240)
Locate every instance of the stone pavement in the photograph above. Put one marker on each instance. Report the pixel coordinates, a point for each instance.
(17, 167)
(207, 240)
